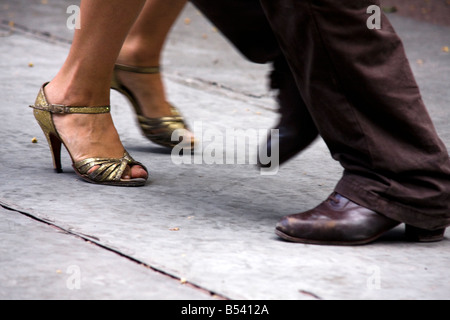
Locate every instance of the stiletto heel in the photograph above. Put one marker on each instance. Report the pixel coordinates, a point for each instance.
(422, 235)
(106, 171)
(55, 149)
(157, 130)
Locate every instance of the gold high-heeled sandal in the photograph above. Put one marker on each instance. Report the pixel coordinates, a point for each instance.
(109, 171)
(157, 130)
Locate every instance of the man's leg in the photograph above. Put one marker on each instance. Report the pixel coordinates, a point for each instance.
(245, 25)
(361, 93)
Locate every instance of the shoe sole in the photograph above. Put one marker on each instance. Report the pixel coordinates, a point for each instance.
(289, 238)
(439, 236)
(121, 183)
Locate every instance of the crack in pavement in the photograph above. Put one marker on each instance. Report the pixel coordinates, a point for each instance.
(96, 241)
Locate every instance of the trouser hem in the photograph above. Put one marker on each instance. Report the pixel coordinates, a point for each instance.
(351, 188)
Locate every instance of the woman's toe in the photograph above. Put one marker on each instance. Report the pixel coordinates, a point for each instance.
(137, 172)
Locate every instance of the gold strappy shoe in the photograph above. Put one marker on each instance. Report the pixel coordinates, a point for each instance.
(109, 171)
(157, 130)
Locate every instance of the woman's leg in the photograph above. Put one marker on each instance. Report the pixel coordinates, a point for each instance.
(85, 79)
(142, 48)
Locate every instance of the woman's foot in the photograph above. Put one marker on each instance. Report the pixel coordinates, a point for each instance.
(149, 92)
(89, 136)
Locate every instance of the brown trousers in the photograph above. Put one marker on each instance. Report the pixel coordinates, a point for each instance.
(357, 85)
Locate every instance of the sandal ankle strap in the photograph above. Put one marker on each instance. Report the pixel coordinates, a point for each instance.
(61, 109)
(42, 104)
(144, 70)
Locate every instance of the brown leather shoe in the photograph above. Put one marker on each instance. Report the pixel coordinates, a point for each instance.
(336, 221)
(339, 221)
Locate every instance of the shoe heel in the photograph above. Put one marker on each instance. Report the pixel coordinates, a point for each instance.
(55, 149)
(117, 85)
(44, 120)
(422, 235)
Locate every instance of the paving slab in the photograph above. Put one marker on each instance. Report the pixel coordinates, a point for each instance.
(210, 224)
(39, 262)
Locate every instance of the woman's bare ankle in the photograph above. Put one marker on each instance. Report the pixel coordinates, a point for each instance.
(76, 95)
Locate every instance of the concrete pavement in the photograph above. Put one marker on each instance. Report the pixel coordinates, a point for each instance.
(196, 231)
